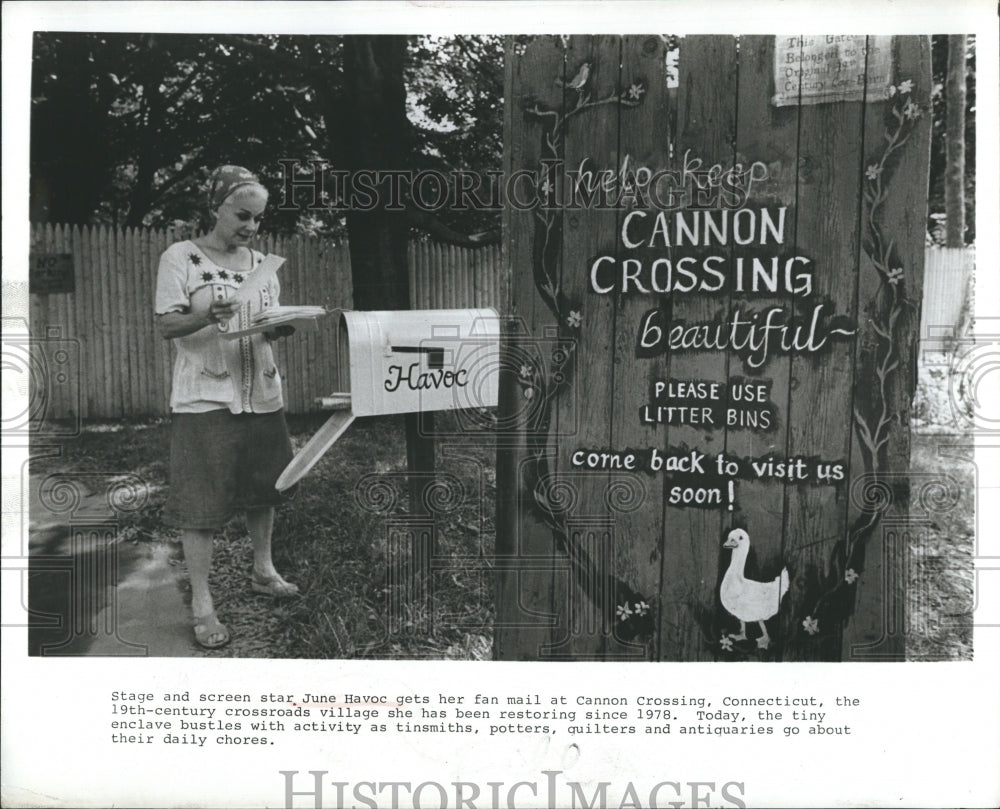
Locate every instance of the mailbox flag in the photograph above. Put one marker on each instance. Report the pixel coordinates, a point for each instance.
(406, 362)
(307, 457)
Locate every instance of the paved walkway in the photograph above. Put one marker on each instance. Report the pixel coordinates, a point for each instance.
(99, 594)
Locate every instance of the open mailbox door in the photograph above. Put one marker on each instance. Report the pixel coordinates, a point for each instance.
(406, 362)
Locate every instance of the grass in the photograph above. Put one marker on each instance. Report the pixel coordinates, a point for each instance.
(941, 575)
(366, 596)
(942, 545)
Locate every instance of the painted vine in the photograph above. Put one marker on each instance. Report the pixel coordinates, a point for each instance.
(631, 611)
(833, 605)
(830, 604)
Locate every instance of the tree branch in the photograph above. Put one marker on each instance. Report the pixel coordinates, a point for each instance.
(426, 221)
(156, 194)
(305, 68)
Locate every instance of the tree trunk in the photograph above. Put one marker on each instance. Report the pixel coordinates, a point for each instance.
(372, 136)
(70, 172)
(954, 180)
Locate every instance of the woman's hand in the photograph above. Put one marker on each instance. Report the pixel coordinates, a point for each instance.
(181, 324)
(221, 311)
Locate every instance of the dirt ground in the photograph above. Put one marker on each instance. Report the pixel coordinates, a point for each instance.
(136, 598)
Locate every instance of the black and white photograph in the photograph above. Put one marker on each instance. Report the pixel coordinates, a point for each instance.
(380, 392)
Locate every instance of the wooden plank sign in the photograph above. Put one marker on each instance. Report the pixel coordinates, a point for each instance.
(706, 359)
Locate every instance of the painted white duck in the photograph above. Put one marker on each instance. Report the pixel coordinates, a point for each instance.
(749, 600)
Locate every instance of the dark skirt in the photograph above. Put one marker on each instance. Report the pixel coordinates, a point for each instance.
(221, 463)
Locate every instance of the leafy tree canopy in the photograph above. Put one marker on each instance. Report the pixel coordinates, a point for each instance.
(126, 127)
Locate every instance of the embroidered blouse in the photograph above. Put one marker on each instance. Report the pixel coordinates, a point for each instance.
(210, 372)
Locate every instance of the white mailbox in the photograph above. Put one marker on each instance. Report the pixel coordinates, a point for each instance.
(406, 362)
(415, 361)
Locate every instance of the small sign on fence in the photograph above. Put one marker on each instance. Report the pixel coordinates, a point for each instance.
(119, 266)
(823, 69)
(51, 273)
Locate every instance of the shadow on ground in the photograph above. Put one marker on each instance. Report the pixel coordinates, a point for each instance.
(90, 592)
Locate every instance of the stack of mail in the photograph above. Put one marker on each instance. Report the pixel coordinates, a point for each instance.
(282, 314)
(301, 318)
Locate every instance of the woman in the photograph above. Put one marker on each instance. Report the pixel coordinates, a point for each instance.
(229, 441)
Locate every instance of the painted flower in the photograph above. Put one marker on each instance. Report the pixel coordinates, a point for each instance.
(623, 612)
(238, 278)
(546, 188)
(223, 275)
(726, 643)
(526, 372)
(206, 276)
(906, 86)
(641, 607)
(895, 275)
(635, 91)
(850, 575)
(574, 320)
(873, 172)
(811, 625)
(194, 258)
(911, 111)
(892, 90)
(529, 393)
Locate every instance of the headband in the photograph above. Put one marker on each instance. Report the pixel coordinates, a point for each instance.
(225, 180)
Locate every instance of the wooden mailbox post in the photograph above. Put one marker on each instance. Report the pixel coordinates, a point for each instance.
(716, 266)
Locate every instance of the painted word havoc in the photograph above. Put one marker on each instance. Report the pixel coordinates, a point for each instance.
(723, 252)
(415, 379)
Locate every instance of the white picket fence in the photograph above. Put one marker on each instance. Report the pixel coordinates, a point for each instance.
(948, 294)
(123, 366)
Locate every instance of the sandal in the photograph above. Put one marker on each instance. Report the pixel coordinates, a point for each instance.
(207, 627)
(274, 586)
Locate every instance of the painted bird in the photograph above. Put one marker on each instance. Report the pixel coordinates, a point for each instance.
(580, 79)
(746, 599)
